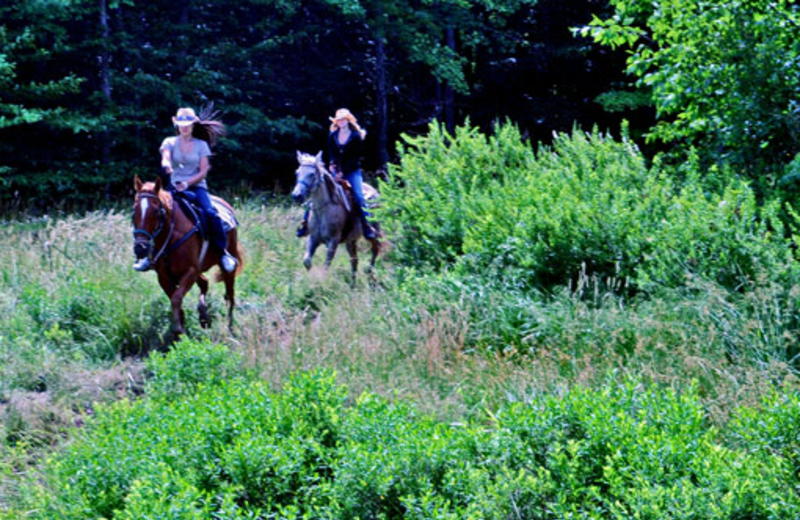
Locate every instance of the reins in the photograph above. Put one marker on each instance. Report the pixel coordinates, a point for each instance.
(311, 187)
(152, 237)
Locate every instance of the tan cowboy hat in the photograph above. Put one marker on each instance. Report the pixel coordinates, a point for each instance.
(185, 117)
(343, 113)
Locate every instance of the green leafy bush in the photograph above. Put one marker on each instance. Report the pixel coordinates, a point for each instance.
(240, 450)
(190, 364)
(587, 204)
(428, 197)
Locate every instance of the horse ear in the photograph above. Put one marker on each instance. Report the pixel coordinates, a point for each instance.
(158, 184)
(318, 157)
(299, 156)
(137, 183)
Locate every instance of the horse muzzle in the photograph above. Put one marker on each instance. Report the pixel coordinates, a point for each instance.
(141, 249)
(298, 195)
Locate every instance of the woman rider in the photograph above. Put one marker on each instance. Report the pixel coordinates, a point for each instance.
(344, 155)
(184, 157)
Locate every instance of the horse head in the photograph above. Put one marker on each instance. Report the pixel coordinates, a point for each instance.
(309, 173)
(150, 212)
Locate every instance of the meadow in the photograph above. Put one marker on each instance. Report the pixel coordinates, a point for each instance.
(442, 391)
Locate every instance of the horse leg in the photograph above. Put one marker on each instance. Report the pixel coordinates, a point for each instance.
(376, 249)
(352, 248)
(229, 279)
(169, 289)
(330, 253)
(311, 248)
(202, 306)
(186, 282)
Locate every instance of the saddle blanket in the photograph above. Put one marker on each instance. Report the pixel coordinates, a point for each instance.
(225, 214)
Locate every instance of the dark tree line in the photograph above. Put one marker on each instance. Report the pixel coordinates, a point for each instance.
(87, 87)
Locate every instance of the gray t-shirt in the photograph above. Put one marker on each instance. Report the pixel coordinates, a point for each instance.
(186, 166)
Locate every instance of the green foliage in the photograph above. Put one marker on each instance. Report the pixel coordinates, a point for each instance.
(581, 205)
(189, 365)
(428, 196)
(722, 75)
(238, 450)
(567, 433)
(587, 204)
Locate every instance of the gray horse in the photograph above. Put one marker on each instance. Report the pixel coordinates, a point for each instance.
(333, 219)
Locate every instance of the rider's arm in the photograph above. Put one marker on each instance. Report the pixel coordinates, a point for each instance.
(205, 165)
(166, 159)
(332, 166)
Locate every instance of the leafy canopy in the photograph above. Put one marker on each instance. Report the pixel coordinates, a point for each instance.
(722, 75)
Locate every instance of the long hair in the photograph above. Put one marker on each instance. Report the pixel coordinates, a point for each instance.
(344, 113)
(209, 128)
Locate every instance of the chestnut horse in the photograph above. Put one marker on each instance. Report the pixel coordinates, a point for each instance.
(165, 234)
(334, 218)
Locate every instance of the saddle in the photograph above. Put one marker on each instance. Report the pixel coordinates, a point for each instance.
(370, 193)
(188, 203)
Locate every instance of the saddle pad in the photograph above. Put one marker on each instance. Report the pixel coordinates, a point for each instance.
(225, 214)
(370, 195)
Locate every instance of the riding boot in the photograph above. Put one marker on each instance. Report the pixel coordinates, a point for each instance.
(366, 227)
(220, 239)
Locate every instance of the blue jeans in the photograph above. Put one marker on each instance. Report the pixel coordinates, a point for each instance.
(355, 179)
(214, 223)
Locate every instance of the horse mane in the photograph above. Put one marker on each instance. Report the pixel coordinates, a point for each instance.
(163, 195)
(166, 199)
(338, 191)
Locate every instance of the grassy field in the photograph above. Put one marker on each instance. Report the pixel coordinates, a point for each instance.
(79, 320)
(78, 325)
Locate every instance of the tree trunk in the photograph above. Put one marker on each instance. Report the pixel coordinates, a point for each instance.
(381, 101)
(449, 96)
(105, 87)
(183, 23)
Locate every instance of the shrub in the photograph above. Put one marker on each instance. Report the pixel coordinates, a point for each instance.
(587, 204)
(428, 197)
(239, 450)
(190, 364)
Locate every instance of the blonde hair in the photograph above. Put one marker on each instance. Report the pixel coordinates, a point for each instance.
(343, 113)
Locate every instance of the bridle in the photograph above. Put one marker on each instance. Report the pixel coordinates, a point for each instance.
(309, 186)
(162, 217)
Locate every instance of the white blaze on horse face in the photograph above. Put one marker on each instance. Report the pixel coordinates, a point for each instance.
(143, 207)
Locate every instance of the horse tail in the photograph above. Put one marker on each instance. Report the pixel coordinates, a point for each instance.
(385, 243)
(239, 254)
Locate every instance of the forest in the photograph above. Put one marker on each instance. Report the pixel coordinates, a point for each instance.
(587, 305)
(89, 87)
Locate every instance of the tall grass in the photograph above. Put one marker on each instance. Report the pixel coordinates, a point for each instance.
(456, 344)
(79, 322)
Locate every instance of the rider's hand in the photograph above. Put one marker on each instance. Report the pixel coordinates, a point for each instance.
(181, 186)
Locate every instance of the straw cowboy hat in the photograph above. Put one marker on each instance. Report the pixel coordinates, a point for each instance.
(343, 113)
(185, 117)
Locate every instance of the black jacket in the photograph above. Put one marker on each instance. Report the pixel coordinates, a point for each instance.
(346, 157)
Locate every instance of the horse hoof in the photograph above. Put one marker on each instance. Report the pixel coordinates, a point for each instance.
(307, 263)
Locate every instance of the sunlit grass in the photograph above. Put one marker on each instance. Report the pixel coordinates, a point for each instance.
(78, 322)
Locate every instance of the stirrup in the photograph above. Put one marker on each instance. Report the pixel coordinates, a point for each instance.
(369, 232)
(229, 262)
(142, 265)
